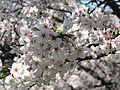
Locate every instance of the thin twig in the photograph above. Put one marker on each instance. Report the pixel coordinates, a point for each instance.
(3, 35)
(61, 10)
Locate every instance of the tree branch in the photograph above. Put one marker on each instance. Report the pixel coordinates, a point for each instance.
(61, 10)
(90, 57)
(107, 84)
(114, 6)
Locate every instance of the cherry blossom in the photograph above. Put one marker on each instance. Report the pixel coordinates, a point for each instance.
(50, 47)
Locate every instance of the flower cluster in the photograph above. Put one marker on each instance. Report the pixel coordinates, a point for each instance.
(48, 51)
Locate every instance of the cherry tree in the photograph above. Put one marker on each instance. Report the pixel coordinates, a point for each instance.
(58, 45)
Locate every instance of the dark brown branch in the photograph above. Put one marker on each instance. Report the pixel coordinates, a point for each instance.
(31, 86)
(3, 35)
(57, 19)
(16, 31)
(113, 5)
(90, 57)
(98, 5)
(5, 53)
(107, 84)
(61, 10)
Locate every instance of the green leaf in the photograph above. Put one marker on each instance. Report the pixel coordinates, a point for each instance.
(3, 76)
(71, 36)
(57, 27)
(117, 33)
(59, 32)
(35, 29)
(88, 10)
(19, 12)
